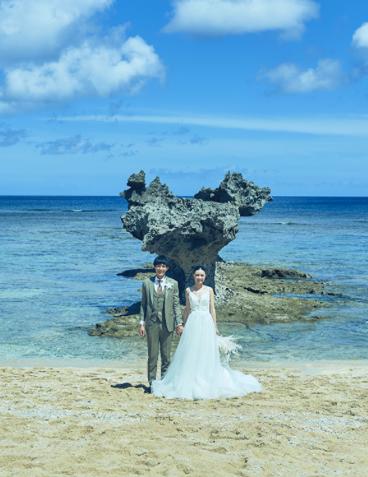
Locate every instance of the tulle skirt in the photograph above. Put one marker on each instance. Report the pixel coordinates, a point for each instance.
(196, 371)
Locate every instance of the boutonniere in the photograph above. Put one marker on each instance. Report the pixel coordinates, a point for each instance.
(169, 286)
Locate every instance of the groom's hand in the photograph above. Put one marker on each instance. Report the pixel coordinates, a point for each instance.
(142, 330)
(179, 329)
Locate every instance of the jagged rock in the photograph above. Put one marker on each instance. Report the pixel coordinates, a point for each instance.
(246, 195)
(188, 231)
(137, 185)
(139, 195)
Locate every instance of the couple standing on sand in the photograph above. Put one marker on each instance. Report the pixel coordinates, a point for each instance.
(195, 372)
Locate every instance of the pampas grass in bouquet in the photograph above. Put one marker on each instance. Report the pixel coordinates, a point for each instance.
(228, 347)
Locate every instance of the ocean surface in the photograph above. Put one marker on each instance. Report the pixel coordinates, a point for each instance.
(60, 256)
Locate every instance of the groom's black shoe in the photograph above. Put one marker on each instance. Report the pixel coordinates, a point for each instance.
(148, 389)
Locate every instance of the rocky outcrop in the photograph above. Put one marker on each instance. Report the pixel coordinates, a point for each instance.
(137, 187)
(187, 231)
(245, 295)
(140, 195)
(246, 195)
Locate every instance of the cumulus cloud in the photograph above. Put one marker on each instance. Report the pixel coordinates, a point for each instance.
(360, 37)
(30, 29)
(10, 137)
(222, 17)
(72, 145)
(89, 69)
(53, 51)
(289, 78)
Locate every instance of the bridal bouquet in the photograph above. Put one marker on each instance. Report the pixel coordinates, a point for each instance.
(227, 347)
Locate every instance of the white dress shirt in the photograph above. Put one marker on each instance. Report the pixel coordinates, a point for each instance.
(163, 282)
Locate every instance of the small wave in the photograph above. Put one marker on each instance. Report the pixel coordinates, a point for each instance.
(290, 222)
(35, 210)
(55, 211)
(281, 222)
(94, 210)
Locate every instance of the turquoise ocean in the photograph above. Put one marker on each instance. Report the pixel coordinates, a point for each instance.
(60, 258)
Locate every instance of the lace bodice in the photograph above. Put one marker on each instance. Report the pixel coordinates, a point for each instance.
(200, 301)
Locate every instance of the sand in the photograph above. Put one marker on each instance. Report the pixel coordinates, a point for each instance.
(310, 420)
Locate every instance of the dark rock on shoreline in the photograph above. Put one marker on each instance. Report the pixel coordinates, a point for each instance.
(244, 294)
(258, 298)
(283, 273)
(136, 272)
(124, 322)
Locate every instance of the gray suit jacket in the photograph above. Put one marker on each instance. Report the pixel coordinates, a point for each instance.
(173, 315)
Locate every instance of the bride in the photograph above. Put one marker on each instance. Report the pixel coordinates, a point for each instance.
(196, 371)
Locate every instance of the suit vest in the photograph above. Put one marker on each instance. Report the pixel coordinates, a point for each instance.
(159, 305)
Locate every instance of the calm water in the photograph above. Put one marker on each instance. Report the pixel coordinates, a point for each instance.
(59, 259)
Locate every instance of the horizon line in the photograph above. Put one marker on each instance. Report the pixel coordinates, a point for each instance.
(183, 196)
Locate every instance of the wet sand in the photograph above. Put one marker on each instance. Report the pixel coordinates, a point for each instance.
(94, 419)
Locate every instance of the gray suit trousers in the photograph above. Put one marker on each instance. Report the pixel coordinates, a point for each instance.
(158, 339)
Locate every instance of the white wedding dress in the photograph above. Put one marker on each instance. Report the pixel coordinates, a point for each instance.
(196, 371)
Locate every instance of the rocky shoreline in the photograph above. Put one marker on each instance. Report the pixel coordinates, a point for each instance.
(245, 294)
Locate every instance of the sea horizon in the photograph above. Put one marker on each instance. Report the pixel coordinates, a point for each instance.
(184, 196)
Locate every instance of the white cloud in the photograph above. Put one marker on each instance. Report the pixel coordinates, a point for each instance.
(221, 17)
(291, 79)
(360, 37)
(30, 29)
(85, 70)
(340, 126)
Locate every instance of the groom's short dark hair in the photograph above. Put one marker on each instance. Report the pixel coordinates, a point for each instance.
(161, 259)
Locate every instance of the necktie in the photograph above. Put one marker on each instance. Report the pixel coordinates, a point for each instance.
(159, 288)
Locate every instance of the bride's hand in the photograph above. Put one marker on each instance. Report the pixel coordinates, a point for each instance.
(142, 330)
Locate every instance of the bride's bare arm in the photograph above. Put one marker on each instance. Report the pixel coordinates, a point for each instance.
(212, 307)
(187, 305)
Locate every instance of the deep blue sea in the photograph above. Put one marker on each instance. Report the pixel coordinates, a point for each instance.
(60, 256)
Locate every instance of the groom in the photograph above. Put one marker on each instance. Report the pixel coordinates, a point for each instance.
(160, 315)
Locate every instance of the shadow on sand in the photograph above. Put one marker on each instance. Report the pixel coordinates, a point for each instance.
(145, 388)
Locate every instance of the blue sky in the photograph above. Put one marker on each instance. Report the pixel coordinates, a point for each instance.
(93, 90)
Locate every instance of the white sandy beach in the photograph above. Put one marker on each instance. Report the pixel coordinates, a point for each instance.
(58, 419)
